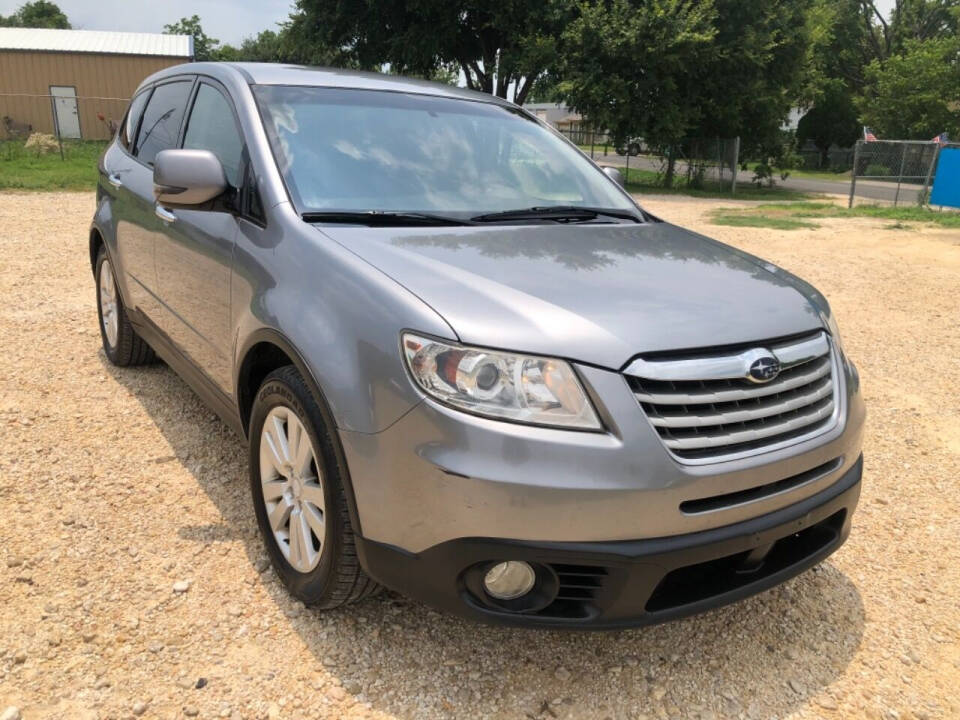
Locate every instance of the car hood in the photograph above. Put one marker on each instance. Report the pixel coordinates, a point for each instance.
(599, 294)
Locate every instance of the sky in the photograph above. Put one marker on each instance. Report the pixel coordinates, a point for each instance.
(230, 21)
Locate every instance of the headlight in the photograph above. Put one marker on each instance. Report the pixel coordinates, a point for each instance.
(505, 386)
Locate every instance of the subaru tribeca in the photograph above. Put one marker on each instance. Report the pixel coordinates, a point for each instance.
(468, 366)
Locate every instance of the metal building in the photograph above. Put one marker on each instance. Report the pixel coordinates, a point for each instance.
(77, 82)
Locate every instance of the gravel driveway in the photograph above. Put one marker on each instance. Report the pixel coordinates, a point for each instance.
(133, 583)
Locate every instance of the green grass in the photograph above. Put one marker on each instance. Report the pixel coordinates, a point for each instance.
(741, 219)
(792, 216)
(22, 169)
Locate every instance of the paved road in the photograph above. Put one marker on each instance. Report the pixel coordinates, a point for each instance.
(866, 189)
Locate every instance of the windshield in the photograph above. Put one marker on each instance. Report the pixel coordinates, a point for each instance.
(396, 152)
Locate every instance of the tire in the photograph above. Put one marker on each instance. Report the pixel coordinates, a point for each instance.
(296, 493)
(121, 344)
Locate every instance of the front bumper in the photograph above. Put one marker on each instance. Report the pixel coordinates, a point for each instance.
(439, 475)
(632, 582)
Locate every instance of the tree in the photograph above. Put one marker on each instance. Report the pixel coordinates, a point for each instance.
(832, 121)
(500, 47)
(838, 49)
(204, 46)
(909, 20)
(754, 72)
(915, 93)
(630, 67)
(267, 46)
(853, 49)
(37, 14)
(673, 69)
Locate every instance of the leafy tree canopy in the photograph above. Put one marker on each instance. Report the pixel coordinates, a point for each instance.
(915, 94)
(832, 121)
(838, 48)
(670, 69)
(754, 72)
(37, 14)
(204, 46)
(500, 47)
(267, 46)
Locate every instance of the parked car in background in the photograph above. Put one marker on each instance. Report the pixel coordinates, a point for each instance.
(467, 364)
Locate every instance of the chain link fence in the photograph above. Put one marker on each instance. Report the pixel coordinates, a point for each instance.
(908, 163)
(692, 163)
(836, 159)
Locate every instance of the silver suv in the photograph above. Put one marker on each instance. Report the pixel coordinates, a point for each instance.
(469, 367)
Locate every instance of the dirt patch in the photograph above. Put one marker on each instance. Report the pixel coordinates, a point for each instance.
(132, 579)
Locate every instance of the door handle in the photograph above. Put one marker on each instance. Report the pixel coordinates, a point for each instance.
(164, 214)
(115, 180)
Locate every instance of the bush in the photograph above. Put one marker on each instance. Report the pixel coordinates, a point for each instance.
(877, 170)
(763, 174)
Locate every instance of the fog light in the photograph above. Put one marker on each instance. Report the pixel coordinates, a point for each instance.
(509, 580)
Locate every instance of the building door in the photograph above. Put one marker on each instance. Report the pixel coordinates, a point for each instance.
(65, 113)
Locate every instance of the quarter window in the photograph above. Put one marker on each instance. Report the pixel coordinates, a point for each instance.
(133, 119)
(161, 120)
(212, 127)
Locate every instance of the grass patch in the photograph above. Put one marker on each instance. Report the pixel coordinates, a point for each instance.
(908, 214)
(23, 169)
(742, 219)
(791, 216)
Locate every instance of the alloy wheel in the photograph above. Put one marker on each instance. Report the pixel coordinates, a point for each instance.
(109, 316)
(292, 488)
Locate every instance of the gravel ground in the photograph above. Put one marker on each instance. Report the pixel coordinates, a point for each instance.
(132, 580)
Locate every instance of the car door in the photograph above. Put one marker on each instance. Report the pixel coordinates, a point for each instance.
(134, 254)
(154, 121)
(194, 254)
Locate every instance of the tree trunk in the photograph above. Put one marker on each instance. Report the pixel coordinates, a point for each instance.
(671, 168)
(522, 89)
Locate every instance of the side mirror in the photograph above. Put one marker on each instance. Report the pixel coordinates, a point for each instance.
(613, 174)
(187, 177)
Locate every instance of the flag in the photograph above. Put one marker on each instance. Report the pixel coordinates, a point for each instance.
(868, 134)
(941, 139)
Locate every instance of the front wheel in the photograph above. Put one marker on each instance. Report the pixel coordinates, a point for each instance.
(298, 495)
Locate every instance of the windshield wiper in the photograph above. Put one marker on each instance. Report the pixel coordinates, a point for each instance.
(381, 218)
(560, 213)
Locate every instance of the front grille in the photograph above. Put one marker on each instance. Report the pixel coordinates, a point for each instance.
(704, 407)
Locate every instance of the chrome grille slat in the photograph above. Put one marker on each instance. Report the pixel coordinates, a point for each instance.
(714, 415)
(732, 438)
(787, 381)
(806, 396)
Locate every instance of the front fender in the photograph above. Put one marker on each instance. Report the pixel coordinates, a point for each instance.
(339, 315)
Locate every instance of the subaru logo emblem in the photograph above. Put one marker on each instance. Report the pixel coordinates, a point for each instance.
(763, 369)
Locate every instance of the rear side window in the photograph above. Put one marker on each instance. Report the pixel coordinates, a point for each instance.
(133, 119)
(212, 127)
(161, 120)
